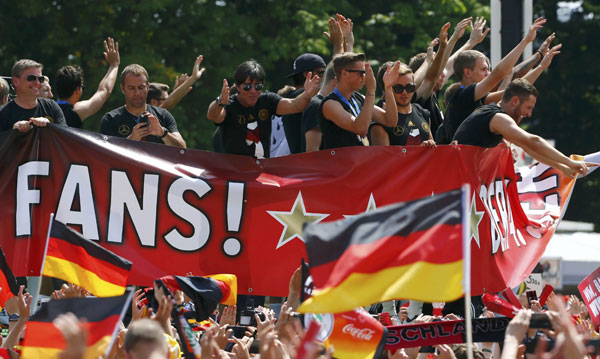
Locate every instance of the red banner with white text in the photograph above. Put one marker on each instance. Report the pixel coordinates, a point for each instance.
(174, 211)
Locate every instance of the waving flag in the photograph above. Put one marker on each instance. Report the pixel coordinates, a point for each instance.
(8, 282)
(410, 250)
(73, 258)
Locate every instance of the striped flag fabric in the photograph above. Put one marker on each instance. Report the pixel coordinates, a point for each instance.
(43, 340)
(8, 282)
(410, 250)
(75, 259)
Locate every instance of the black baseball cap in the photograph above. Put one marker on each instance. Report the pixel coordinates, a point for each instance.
(307, 62)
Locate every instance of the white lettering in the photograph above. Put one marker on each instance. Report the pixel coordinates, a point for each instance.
(26, 196)
(195, 217)
(143, 217)
(589, 293)
(78, 178)
(359, 334)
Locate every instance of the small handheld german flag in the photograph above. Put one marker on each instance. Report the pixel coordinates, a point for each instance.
(72, 257)
(44, 340)
(8, 282)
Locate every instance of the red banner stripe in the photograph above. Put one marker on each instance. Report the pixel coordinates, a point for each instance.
(106, 271)
(436, 245)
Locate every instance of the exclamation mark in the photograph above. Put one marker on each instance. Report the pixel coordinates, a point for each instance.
(232, 246)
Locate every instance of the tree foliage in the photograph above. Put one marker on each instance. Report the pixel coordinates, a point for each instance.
(165, 36)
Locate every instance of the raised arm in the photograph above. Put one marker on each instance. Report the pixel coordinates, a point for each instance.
(347, 26)
(89, 107)
(506, 64)
(422, 70)
(546, 61)
(335, 36)
(216, 111)
(182, 90)
(311, 87)
(523, 68)
(435, 70)
(389, 116)
(478, 34)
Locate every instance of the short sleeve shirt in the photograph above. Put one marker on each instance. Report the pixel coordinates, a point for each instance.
(10, 113)
(235, 126)
(120, 122)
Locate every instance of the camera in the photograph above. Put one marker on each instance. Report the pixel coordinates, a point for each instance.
(143, 118)
(247, 317)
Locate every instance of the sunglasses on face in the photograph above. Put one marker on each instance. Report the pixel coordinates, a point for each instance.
(319, 73)
(32, 78)
(248, 87)
(361, 72)
(410, 88)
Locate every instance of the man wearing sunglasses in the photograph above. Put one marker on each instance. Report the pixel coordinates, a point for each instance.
(69, 86)
(345, 114)
(244, 118)
(413, 128)
(490, 124)
(28, 109)
(138, 120)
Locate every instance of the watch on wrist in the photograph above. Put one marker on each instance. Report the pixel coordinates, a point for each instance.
(218, 100)
(13, 317)
(165, 132)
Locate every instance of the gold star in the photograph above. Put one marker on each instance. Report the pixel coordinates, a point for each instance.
(371, 206)
(294, 220)
(476, 217)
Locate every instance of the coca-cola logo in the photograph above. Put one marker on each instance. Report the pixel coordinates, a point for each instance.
(359, 334)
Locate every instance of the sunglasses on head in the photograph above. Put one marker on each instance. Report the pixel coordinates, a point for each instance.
(361, 72)
(32, 78)
(410, 88)
(248, 87)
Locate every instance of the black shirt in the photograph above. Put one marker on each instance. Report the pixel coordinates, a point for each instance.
(119, 122)
(333, 135)
(475, 130)
(234, 127)
(433, 106)
(292, 125)
(10, 113)
(412, 128)
(461, 105)
(72, 117)
(310, 118)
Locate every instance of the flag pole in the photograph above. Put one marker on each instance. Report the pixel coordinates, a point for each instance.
(129, 295)
(466, 194)
(39, 282)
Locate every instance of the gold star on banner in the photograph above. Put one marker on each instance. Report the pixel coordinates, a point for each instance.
(294, 220)
(476, 217)
(370, 207)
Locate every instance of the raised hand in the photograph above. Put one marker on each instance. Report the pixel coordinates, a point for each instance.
(547, 59)
(546, 44)
(459, 29)
(111, 51)
(478, 33)
(196, 70)
(224, 96)
(537, 24)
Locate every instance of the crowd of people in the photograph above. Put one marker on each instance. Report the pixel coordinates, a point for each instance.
(322, 108)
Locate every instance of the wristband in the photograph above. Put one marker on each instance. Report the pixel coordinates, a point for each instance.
(371, 94)
(539, 52)
(166, 132)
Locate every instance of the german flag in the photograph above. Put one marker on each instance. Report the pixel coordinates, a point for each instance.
(73, 258)
(8, 282)
(44, 340)
(410, 250)
(205, 292)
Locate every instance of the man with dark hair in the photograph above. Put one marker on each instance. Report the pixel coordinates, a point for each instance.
(28, 109)
(69, 86)
(138, 120)
(472, 70)
(292, 123)
(345, 114)
(413, 128)
(488, 125)
(245, 117)
(157, 94)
